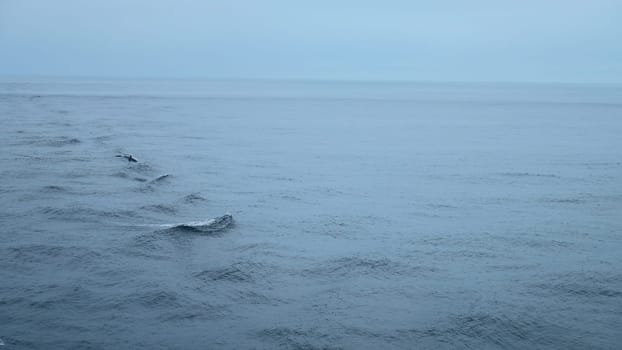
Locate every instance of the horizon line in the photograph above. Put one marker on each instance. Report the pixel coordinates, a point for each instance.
(299, 79)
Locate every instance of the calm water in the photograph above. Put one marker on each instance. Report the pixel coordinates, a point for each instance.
(367, 216)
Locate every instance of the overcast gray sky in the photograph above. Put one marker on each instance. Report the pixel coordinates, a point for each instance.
(441, 40)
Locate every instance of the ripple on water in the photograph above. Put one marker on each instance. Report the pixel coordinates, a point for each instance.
(46, 141)
(60, 141)
(48, 254)
(527, 175)
(151, 244)
(238, 272)
(533, 242)
(167, 304)
(125, 175)
(484, 331)
(161, 208)
(349, 227)
(193, 198)
(151, 186)
(54, 189)
(5, 189)
(566, 200)
(298, 338)
(200, 311)
(80, 213)
(61, 297)
(141, 168)
(581, 285)
(165, 299)
(355, 266)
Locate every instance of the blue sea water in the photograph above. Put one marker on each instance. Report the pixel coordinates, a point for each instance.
(366, 215)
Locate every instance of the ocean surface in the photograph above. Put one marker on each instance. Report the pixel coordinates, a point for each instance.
(366, 215)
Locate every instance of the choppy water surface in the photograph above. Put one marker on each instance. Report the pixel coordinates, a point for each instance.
(367, 216)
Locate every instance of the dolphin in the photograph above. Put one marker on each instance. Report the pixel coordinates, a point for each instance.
(129, 157)
(212, 225)
(217, 224)
(160, 178)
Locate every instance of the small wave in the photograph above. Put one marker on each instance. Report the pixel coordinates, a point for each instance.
(33, 253)
(58, 123)
(54, 189)
(150, 297)
(162, 299)
(160, 208)
(537, 242)
(582, 285)
(569, 200)
(151, 186)
(61, 112)
(59, 141)
(141, 168)
(78, 173)
(192, 311)
(62, 141)
(582, 198)
(290, 198)
(193, 198)
(85, 213)
(356, 266)
(602, 165)
(299, 339)
(121, 174)
(233, 273)
(58, 297)
(254, 297)
(145, 189)
(149, 246)
(343, 226)
(482, 330)
(102, 138)
(466, 254)
(527, 174)
(41, 253)
(124, 175)
(441, 206)
(272, 178)
(30, 157)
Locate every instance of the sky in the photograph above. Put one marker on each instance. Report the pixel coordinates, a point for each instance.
(577, 41)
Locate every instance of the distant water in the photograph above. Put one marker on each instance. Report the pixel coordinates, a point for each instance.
(366, 215)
